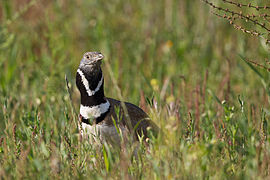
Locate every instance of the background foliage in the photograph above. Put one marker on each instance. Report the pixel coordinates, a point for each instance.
(175, 59)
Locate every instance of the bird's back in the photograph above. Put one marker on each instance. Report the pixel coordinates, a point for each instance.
(137, 120)
(103, 117)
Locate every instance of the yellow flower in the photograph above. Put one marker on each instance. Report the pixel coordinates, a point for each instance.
(170, 99)
(154, 84)
(169, 43)
(167, 46)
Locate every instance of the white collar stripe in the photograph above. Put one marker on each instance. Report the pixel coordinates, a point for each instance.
(86, 84)
(94, 111)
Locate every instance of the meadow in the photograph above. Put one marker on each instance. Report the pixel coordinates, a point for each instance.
(176, 60)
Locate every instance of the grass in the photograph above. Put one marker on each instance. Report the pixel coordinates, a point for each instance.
(173, 58)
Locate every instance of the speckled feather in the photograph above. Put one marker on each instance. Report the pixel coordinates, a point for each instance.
(136, 115)
(107, 110)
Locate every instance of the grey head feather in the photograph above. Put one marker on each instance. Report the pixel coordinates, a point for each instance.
(91, 62)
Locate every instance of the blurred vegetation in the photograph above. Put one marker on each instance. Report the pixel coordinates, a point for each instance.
(175, 59)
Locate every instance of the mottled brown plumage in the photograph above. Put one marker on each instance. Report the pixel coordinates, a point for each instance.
(138, 118)
(99, 115)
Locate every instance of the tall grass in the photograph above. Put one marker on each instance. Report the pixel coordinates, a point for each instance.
(173, 58)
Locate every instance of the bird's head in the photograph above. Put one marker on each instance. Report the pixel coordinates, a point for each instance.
(91, 61)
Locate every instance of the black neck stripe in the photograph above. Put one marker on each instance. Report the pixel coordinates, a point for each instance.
(98, 98)
(86, 100)
(102, 117)
(84, 120)
(93, 79)
(96, 120)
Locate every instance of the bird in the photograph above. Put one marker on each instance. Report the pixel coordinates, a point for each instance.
(103, 118)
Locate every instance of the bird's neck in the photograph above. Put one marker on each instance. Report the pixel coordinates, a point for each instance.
(93, 102)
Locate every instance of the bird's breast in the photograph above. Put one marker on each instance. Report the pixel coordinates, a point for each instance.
(102, 132)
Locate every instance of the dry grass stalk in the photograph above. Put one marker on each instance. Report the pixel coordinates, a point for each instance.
(197, 110)
(240, 17)
(236, 17)
(142, 101)
(257, 64)
(246, 5)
